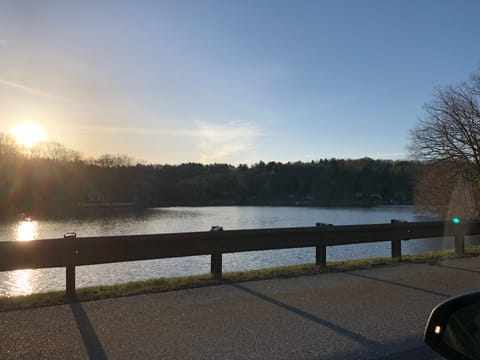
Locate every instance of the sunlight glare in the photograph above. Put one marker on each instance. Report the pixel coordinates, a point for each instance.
(28, 134)
(22, 282)
(27, 230)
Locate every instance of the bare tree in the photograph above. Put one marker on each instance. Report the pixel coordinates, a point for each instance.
(114, 161)
(448, 137)
(8, 146)
(442, 189)
(54, 151)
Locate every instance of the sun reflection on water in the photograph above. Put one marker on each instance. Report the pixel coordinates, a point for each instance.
(27, 230)
(22, 282)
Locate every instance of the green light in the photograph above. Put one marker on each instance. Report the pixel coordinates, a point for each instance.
(456, 220)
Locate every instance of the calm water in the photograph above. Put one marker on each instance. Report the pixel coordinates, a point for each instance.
(98, 222)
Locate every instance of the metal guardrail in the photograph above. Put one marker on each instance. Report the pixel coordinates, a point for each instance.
(73, 251)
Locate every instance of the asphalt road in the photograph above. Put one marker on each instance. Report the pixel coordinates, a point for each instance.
(370, 314)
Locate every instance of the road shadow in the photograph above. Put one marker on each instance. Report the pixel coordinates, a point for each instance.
(456, 268)
(90, 339)
(410, 347)
(325, 323)
(416, 288)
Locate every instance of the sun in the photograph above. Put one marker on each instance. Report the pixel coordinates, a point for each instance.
(28, 134)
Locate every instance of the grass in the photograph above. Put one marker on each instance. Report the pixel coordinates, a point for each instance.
(188, 282)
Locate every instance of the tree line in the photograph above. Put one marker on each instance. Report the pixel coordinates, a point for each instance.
(51, 177)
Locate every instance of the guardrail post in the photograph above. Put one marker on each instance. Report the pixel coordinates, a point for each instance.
(216, 259)
(70, 282)
(321, 255)
(397, 244)
(460, 240)
(70, 270)
(397, 249)
(216, 265)
(321, 250)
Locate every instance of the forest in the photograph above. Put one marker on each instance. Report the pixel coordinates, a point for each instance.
(52, 178)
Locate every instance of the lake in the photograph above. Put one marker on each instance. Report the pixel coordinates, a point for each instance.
(99, 222)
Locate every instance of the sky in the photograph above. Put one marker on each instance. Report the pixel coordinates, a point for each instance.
(231, 81)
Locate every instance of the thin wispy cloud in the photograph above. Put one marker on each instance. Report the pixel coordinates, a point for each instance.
(211, 142)
(36, 91)
(133, 130)
(226, 132)
(221, 142)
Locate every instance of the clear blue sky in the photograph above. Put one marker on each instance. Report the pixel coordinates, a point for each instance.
(231, 81)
